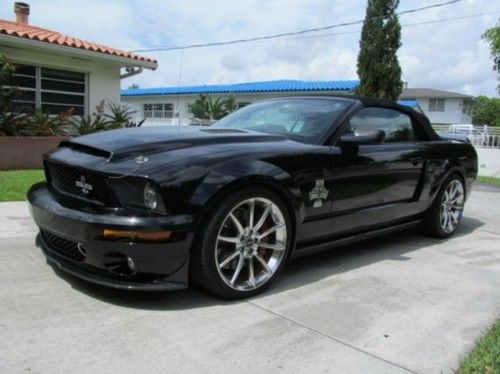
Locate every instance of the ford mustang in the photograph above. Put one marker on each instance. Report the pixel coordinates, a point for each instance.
(227, 206)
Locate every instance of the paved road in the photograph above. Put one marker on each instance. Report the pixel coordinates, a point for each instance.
(399, 304)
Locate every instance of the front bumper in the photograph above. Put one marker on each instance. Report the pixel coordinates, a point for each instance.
(72, 240)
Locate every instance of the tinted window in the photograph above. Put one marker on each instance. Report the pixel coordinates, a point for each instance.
(396, 125)
(304, 120)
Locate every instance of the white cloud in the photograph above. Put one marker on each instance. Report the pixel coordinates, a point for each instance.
(448, 55)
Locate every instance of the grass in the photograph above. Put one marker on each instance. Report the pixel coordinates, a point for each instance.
(488, 180)
(485, 356)
(14, 184)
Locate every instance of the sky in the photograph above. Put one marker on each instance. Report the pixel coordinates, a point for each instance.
(448, 55)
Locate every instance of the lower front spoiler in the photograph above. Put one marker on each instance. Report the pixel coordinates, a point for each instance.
(129, 285)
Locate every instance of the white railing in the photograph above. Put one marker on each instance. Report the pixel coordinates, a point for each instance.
(485, 141)
(479, 136)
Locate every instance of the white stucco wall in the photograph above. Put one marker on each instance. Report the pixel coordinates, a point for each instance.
(103, 77)
(181, 103)
(452, 111)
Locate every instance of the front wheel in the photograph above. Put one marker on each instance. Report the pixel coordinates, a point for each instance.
(445, 214)
(244, 244)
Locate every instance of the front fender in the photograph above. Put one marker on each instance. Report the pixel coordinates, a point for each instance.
(236, 174)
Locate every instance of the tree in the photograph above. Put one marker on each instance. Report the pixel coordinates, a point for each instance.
(378, 66)
(11, 123)
(492, 36)
(133, 86)
(206, 107)
(486, 111)
(6, 91)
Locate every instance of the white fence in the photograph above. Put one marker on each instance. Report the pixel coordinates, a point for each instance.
(479, 136)
(486, 141)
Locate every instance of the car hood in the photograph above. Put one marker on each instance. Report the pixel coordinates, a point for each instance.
(117, 144)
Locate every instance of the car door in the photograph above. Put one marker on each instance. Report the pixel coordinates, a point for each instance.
(375, 184)
(314, 176)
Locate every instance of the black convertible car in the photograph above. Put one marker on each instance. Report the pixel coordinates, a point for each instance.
(228, 205)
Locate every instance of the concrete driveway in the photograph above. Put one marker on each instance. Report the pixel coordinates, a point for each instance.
(399, 304)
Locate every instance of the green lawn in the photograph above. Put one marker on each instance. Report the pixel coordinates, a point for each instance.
(488, 180)
(485, 357)
(14, 184)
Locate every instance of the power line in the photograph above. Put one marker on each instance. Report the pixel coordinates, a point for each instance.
(403, 25)
(281, 35)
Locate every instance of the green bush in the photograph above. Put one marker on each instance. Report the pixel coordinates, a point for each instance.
(119, 116)
(206, 107)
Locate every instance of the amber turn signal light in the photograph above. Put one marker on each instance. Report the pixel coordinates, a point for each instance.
(151, 236)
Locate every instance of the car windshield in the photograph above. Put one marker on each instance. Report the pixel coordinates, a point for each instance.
(303, 120)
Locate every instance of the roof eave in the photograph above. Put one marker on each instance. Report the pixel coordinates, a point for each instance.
(77, 52)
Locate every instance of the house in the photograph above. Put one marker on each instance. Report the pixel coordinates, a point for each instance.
(55, 72)
(441, 107)
(170, 105)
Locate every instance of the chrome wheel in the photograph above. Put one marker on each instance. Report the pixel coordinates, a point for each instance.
(452, 206)
(251, 244)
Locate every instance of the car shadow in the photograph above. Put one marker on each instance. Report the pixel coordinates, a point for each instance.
(307, 270)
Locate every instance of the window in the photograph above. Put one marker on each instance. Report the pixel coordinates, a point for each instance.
(61, 90)
(303, 120)
(159, 110)
(396, 125)
(54, 91)
(24, 79)
(436, 105)
(467, 107)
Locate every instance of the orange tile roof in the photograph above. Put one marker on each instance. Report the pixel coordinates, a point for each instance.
(48, 36)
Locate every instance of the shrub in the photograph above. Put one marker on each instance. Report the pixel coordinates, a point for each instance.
(44, 124)
(206, 107)
(119, 116)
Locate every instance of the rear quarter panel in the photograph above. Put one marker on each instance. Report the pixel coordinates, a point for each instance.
(443, 158)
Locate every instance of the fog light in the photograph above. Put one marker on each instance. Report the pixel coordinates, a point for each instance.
(119, 263)
(153, 236)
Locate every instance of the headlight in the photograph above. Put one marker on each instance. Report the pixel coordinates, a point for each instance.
(151, 197)
(136, 193)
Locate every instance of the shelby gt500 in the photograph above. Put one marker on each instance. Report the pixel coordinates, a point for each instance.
(228, 205)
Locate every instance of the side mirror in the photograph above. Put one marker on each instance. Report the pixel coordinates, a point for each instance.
(361, 136)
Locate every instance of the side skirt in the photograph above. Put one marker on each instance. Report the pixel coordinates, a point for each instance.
(310, 248)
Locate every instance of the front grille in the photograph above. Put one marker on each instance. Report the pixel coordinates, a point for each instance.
(64, 247)
(72, 181)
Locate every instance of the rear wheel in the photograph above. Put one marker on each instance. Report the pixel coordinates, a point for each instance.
(244, 244)
(445, 214)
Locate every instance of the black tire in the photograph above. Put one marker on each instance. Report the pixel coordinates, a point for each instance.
(431, 224)
(204, 269)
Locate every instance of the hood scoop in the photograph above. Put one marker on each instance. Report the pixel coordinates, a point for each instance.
(224, 131)
(86, 149)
